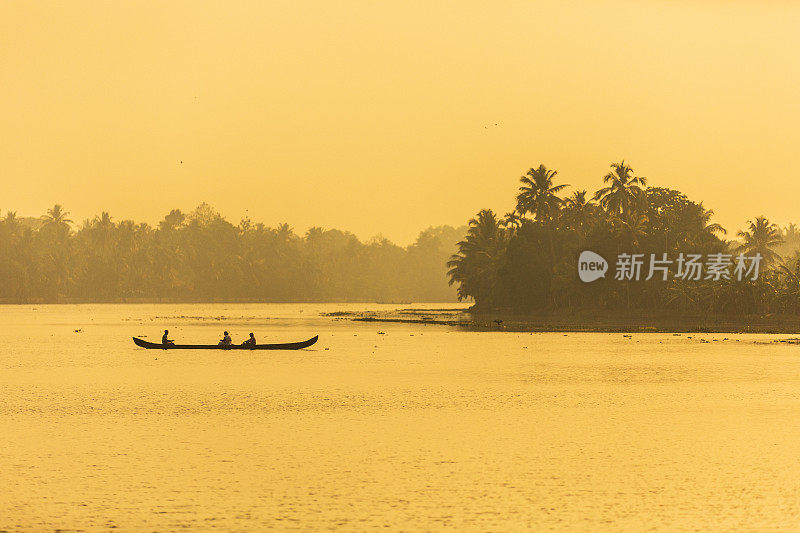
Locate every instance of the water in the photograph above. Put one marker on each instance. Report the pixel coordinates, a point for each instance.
(422, 427)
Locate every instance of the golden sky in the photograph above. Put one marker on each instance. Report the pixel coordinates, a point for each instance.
(387, 117)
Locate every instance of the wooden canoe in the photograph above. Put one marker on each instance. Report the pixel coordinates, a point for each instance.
(283, 346)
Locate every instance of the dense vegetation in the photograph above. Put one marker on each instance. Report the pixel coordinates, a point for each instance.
(524, 261)
(202, 257)
(527, 260)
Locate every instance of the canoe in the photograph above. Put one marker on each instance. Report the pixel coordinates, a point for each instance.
(283, 346)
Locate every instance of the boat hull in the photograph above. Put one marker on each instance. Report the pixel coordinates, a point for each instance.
(284, 346)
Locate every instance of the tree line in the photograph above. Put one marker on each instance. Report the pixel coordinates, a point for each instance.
(527, 260)
(200, 256)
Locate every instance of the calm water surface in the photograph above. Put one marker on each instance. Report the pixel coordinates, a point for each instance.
(421, 427)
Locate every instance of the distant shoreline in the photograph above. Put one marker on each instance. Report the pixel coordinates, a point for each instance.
(469, 319)
(198, 301)
(500, 321)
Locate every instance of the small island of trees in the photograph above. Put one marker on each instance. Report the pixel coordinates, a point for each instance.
(526, 261)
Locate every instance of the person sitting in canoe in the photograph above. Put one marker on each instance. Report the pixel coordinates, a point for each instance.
(165, 339)
(226, 340)
(251, 342)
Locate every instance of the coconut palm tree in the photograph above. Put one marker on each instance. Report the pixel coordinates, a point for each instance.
(512, 220)
(475, 265)
(789, 273)
(630, 229)
(578, 211)
(56, 216)
(791, 238)
(760, 238)
(710, 228)
(683, 294)
(624, 192)
(539, 195)
(577, 200)
(284, 233)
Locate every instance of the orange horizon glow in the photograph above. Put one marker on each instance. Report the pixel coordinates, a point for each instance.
(391, 117)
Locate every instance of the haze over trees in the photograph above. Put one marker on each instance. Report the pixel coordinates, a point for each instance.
(524, 261)
(527, 260)
(200, 256)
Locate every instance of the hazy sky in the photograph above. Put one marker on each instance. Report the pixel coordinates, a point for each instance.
(379, 117)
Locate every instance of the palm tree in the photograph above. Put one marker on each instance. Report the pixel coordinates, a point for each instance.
(624, 192)
(11, 220)
(631, 228)
(579, 211)
(761, 237)
(708, 227)
(685, 294)
(284, 233)
(577, 201)
(314, 234)
(284, 239)
(791, 237)
(103, 230)
(790, 277)
(475, 265)
(538, 194)
(56, 216)
(512, 220)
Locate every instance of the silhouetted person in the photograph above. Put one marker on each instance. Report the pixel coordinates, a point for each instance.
(251, 342)
(165, 339)
(226, 340)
